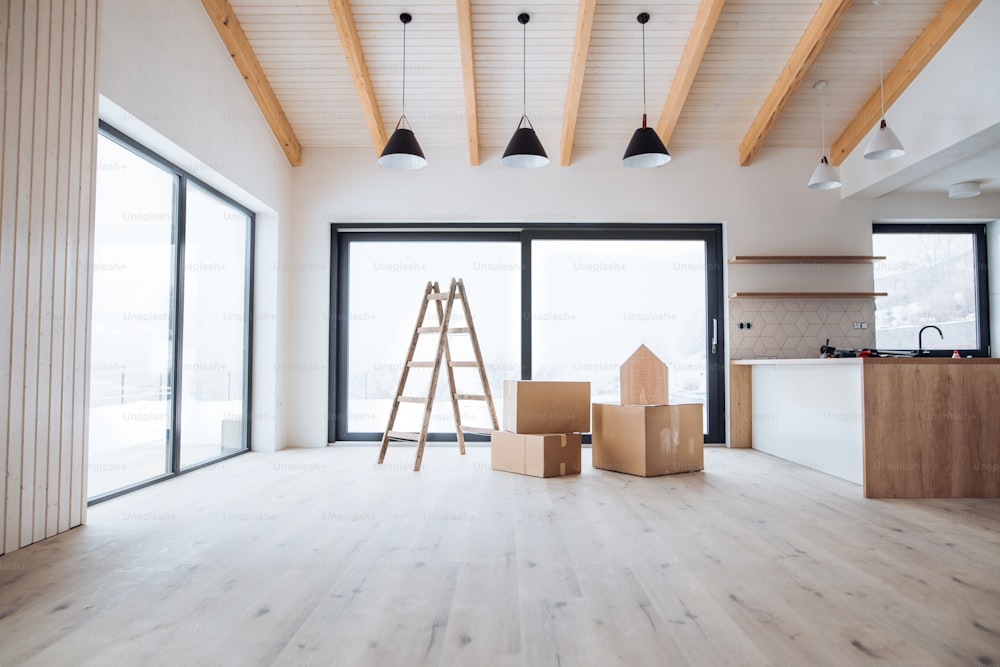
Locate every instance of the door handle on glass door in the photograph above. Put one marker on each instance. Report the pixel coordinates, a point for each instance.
(715, 333)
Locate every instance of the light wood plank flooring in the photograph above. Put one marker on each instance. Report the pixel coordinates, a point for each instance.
(320, 557)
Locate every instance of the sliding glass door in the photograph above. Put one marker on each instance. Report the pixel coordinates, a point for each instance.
(131, 360)
(595, 300)
(213, 373)
(384, 281)
(170, 335)
(569, 303)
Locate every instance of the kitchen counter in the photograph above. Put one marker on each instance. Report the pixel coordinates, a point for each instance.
(908, 427)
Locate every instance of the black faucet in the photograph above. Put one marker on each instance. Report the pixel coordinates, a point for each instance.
(920, 337)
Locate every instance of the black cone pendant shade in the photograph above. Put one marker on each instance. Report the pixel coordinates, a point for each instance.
(524, 149)
(402, 150)
(646, 148)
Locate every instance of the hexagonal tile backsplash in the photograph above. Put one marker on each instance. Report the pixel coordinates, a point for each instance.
(795, 328)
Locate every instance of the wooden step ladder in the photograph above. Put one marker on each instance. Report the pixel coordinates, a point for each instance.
(433, 293)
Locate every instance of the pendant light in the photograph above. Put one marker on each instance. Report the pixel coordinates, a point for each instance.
(825, 177)
(646, 149)
(402, 150)
(524, 149)
(884, 145)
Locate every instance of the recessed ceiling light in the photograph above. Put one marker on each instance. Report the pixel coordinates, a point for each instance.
(963, 190)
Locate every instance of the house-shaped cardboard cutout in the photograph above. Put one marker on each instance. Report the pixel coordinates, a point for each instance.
(644, 379)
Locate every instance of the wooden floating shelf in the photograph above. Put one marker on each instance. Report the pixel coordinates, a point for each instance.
(805, 259)
(806, 295)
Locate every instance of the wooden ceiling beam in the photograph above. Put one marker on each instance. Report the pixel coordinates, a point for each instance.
(226, 24)
(926, 46)
(578, 66)
(694, 51)
(347, 30)
(820, 29)
(465, 43)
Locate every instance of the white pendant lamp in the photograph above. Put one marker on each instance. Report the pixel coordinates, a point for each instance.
(402, 150)
(825, 177)
(646, 149)
(524, 149)
(884, 145)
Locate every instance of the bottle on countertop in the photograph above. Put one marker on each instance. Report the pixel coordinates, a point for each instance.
(956, 355)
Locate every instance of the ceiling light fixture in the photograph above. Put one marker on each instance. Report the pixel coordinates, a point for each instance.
(646, 148)
(524, 149)
(825, 177)
(884, 144)
(965, 190)
(402, 150)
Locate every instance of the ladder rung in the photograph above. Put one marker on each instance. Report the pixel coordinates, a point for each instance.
(477, 429)
(420, 364)
(421, 330)
(438, 297)
(464, 364)
(470, 397)
(412, 399)
(402, 435)
(457, 330)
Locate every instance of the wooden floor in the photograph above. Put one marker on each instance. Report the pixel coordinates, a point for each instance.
(320, 557)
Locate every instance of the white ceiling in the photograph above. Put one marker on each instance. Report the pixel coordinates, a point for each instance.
(297, 45)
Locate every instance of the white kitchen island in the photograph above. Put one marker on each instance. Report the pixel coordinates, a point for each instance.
(810, 412)
(902, 428)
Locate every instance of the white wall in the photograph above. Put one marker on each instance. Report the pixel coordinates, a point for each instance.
(766, 209)
(48, 130)
(950, 111)
(169, 82)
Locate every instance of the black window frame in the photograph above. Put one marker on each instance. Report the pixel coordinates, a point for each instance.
(981, 276)
(179, 224)
(343, 234)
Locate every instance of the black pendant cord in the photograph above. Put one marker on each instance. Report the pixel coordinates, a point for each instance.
(404, 18)
(524, 68)
(404, 69)
(881, 67)
(644, 75)
(643, 19)
(822, 121)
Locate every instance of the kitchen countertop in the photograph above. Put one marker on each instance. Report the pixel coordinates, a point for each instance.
(864, 360)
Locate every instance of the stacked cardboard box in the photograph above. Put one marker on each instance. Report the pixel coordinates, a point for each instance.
(651, 438)
(543, 423)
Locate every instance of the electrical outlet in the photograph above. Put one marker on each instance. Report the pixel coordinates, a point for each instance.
(745, 325)
(860, 325)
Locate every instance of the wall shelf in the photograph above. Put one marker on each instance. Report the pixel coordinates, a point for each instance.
(805, 259)
(806, 295)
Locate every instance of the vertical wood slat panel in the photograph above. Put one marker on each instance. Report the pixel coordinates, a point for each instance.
(21, 174)
(48, 140)
(56, 520)
(36, 401)
(10, 102)
(46, 520)
(85, 287)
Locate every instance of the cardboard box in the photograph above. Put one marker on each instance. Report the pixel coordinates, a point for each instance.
(546, 407)
(648, 440)
(644, 379)
(540, 455)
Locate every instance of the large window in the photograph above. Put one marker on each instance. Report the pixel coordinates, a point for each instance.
(170, 321)
(549, 303)
(935, 276)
